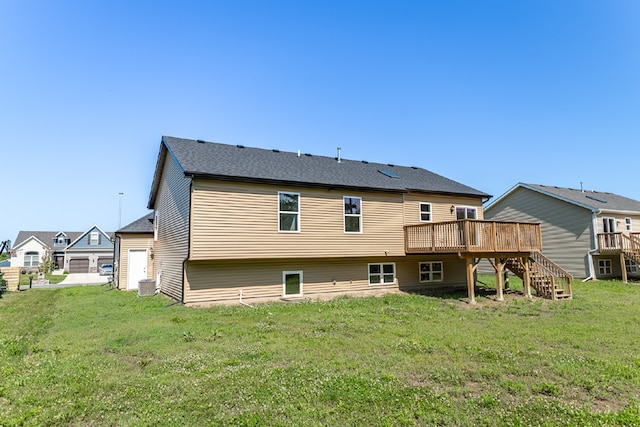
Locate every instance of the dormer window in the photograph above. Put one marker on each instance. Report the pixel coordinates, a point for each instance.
(94, 238)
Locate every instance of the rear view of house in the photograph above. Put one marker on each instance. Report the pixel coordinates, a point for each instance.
(589, 233)
(233, 222)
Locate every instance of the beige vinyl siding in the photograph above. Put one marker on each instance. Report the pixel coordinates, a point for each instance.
(222, 281)
(127, 243)
(171, 248)
(566, 228)
(621, 226)
(240, 221)
(440, 207)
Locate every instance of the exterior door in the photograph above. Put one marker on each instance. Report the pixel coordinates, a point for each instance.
(463, 213)
(137, 267)
(609, 228)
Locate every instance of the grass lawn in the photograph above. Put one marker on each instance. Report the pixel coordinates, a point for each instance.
(53, 279)
(87, 356)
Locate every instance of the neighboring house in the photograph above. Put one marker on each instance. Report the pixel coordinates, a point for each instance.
(590, 234)
(233, 223)
(76, 252)
(5, 263)
(133, 255)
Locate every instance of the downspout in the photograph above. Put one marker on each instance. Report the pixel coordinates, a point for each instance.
(184, 263)
(244, 303)
(594, 225)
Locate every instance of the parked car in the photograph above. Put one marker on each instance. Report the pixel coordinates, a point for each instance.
(105, 269)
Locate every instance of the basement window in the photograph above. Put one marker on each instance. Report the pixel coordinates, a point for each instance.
(431, 272)
(604, 267)
(382, 274)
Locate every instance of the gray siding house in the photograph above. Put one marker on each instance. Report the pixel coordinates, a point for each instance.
(590, 234)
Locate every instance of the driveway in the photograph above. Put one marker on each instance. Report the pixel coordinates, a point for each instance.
(85, 279)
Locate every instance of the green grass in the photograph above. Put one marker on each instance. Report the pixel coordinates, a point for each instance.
(87, 356)
(53, 279)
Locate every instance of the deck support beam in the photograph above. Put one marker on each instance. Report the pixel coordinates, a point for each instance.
(472, 264)
(526, 281)
(623, 267)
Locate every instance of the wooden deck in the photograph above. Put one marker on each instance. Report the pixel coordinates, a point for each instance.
(626, 246)
(473, 237)
(615, 243)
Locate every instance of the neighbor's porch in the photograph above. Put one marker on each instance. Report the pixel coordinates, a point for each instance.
(473, 240)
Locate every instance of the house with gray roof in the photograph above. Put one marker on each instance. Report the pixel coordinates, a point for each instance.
(591, 234)
(73, 251)
(133, 253)
(233, 224)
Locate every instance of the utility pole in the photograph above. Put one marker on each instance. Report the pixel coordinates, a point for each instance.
(120, 211)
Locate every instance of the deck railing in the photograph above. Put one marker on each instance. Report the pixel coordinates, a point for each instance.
(616, 242)
(472, 236)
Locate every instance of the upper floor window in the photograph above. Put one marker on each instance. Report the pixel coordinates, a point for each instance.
(59, 240)
(466, 213)
(289, 212)
(352, 214)
(94, 238)
(31, 259)
(425, 212)
(627, 222)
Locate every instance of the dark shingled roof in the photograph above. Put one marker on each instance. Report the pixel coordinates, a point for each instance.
(45, 237)
(140, 225)
(595, 200)
(238, 163)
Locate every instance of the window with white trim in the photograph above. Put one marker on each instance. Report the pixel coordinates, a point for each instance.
(627, 222)
(425, 212)
(432, 271)
(292, 283)
(382, 274)
(288, 212)
(463, 212)
(604, 267)
(94, 238)
(631, 266)
(31, 259)
(352, 214)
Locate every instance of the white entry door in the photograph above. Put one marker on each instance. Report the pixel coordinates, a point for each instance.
(137, 267)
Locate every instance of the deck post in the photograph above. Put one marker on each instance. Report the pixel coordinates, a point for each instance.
(499, 267)
(623, 267)
(526, 281)
(471, 282)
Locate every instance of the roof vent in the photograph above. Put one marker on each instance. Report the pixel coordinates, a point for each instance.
(365, 162)
(307, 154)
(240, 146)
(200, 141)
(389, 164)
(387, 173)
(275, 151)
(596, 199)
(414, 167)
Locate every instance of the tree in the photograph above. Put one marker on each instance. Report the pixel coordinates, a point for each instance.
(46, 263)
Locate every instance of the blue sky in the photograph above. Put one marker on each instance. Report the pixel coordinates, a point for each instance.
(489, 93)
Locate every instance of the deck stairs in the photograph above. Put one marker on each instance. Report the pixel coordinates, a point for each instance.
(631, 248)
(547, 278)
